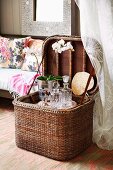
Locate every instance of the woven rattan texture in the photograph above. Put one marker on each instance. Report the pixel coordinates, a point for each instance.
(59, 135)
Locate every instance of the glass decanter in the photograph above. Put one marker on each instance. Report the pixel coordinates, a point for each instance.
(55, 96)
(66, 93)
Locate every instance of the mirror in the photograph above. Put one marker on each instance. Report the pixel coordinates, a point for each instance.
(49, 10)
(37, 21)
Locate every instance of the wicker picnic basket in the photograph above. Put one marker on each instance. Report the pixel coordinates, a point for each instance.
(57, 134)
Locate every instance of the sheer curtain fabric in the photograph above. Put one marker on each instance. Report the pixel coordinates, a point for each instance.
(96, 23)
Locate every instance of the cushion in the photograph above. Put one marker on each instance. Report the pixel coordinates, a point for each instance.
(11, 52)
(16, 47)
(4, 52)
(79, 82)
(33, 55)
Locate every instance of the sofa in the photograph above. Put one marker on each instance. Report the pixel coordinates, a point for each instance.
(19, 61)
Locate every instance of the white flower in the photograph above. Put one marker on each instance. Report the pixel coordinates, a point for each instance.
(61, 42)
(61, 46)
(56, 46)
(69, 46)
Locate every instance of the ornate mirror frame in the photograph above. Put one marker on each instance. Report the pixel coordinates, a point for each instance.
(37, 28)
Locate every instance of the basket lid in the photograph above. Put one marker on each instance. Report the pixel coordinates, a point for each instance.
(68, 62)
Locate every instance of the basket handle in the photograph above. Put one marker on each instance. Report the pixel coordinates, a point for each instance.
(92, 73)
(38, 72)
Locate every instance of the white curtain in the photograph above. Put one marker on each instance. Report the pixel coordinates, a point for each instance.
(96, 18)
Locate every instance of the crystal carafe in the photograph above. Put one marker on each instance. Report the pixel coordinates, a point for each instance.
(55, 94)
(66, 93)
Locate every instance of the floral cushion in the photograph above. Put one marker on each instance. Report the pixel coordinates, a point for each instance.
(33, 55)
(11, 52)
(4, 52)
(16, 47)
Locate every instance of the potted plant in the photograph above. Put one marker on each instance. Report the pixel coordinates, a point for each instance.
(47, 81)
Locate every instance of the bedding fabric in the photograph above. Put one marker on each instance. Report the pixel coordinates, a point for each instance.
(7, 74)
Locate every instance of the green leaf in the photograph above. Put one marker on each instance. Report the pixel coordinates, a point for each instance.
(50, 78)
(58, 77)
(42, 78)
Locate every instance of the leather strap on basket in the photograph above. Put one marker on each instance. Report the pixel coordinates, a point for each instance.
(92, 73)
(38, 71)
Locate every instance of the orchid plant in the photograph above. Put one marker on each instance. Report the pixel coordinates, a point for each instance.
(61, 46)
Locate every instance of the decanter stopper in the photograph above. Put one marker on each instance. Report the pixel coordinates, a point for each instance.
(65, 78)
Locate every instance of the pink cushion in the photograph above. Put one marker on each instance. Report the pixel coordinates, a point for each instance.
(33, 55)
